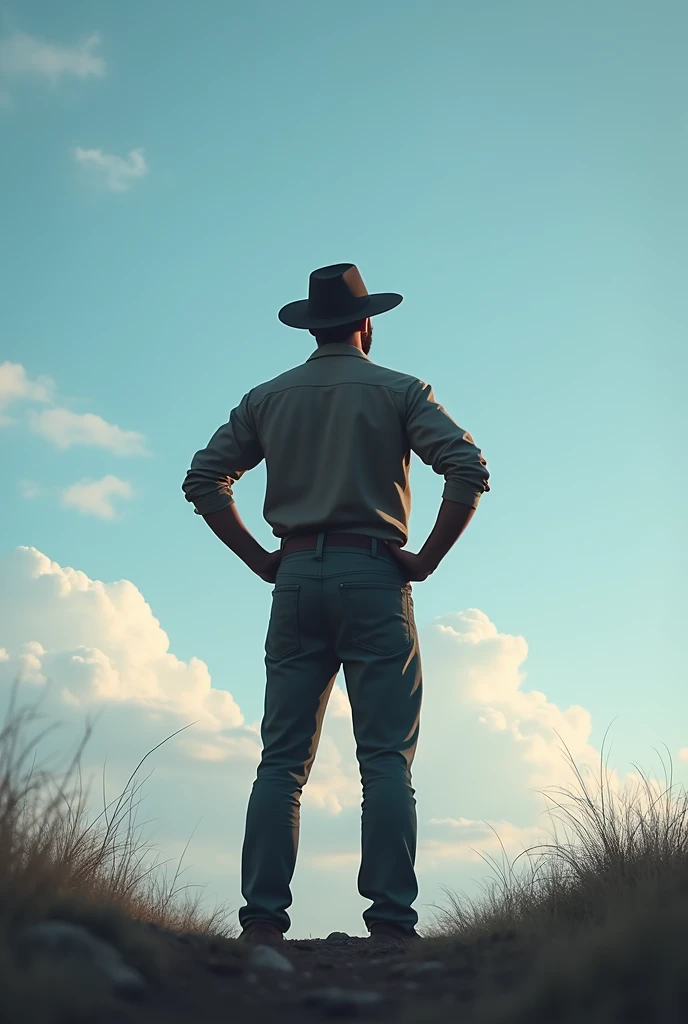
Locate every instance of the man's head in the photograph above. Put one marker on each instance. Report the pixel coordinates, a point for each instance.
(359, 334)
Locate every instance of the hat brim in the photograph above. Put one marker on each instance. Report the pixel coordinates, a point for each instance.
(295, 314)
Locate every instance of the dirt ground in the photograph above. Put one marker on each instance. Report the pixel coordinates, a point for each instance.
(337, 977)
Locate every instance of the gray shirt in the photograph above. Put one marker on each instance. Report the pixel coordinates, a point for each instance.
(337, 433)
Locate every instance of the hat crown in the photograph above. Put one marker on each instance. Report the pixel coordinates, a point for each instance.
(336, 290)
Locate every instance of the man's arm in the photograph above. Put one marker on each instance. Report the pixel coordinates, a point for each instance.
(452, 520)
(450, 450)
(232, 450)
(227, 525)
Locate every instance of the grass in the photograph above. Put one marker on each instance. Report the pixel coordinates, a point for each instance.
(57, 861)
(591, 926)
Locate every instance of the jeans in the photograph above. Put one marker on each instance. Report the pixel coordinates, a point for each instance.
(332, 607)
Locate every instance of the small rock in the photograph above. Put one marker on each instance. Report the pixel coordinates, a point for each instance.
(266, 956)
(465, 972)
(337, 937)
(338, 1002)
(224, 966)
(65, 941)
(417, 969)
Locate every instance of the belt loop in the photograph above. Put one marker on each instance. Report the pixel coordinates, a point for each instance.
(319, 546)
(373, 550)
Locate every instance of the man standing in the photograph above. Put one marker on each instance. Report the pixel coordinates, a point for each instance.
(336, 433)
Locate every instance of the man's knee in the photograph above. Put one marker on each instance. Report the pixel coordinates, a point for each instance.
(284, 773)
(388, 765)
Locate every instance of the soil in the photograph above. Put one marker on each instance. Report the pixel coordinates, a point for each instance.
(341, 976)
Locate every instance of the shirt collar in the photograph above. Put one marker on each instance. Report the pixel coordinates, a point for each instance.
(337, 348)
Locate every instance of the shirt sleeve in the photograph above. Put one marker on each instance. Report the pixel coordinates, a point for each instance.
(232, 450)
(443, 444)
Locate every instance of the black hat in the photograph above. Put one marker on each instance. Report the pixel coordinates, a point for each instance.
(336, 295)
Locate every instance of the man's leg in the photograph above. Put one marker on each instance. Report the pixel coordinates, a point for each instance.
(379, 647)
(301, 668)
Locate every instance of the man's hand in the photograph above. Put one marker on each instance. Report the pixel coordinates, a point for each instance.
(415, 566)
(267, 567)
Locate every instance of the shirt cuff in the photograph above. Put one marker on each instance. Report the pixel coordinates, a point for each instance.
(207, 503)
(464, 494)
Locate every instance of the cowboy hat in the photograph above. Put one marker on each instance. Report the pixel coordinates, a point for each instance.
(336, 295)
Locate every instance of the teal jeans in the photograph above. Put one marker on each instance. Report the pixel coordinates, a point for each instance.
(332, 607)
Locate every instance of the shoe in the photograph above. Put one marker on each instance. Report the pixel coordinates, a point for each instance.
(381, 931)
(262, 933)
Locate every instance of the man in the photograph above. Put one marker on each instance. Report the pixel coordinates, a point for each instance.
(336, 433)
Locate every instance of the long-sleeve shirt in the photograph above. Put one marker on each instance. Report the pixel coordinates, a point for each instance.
(337, 433)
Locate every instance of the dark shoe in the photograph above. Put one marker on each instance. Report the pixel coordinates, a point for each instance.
(262, 933)
(383, 932)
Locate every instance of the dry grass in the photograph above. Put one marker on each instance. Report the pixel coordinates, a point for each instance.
(594, 924)
(591, 926)
(99, 871)
(612, 844)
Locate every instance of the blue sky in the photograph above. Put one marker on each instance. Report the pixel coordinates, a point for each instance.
(517, 171)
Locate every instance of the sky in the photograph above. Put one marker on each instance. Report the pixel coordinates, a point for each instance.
(170, 176)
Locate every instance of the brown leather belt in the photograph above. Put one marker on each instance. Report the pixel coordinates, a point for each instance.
(308, 541)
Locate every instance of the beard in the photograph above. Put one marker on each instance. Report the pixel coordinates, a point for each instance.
(367, 340)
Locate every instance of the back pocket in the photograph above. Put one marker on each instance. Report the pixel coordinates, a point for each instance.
(378, 616)
(283, 628)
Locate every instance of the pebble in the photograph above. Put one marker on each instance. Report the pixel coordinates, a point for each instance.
(268, 957)
(224, 966)
(66, 941)
(336, 1002)
(417, 969)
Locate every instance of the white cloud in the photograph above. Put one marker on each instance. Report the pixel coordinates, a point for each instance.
(65, 428)
(486, 744)
(29, 488)
(23, 54)
(119, 173)
(15, 385)
(94, 497)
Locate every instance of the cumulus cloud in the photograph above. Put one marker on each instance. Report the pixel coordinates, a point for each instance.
(118, 173)
(23, 54)
(100, 648)
(94, 497)
(487, 744)
(15, 385)
(65, 428)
